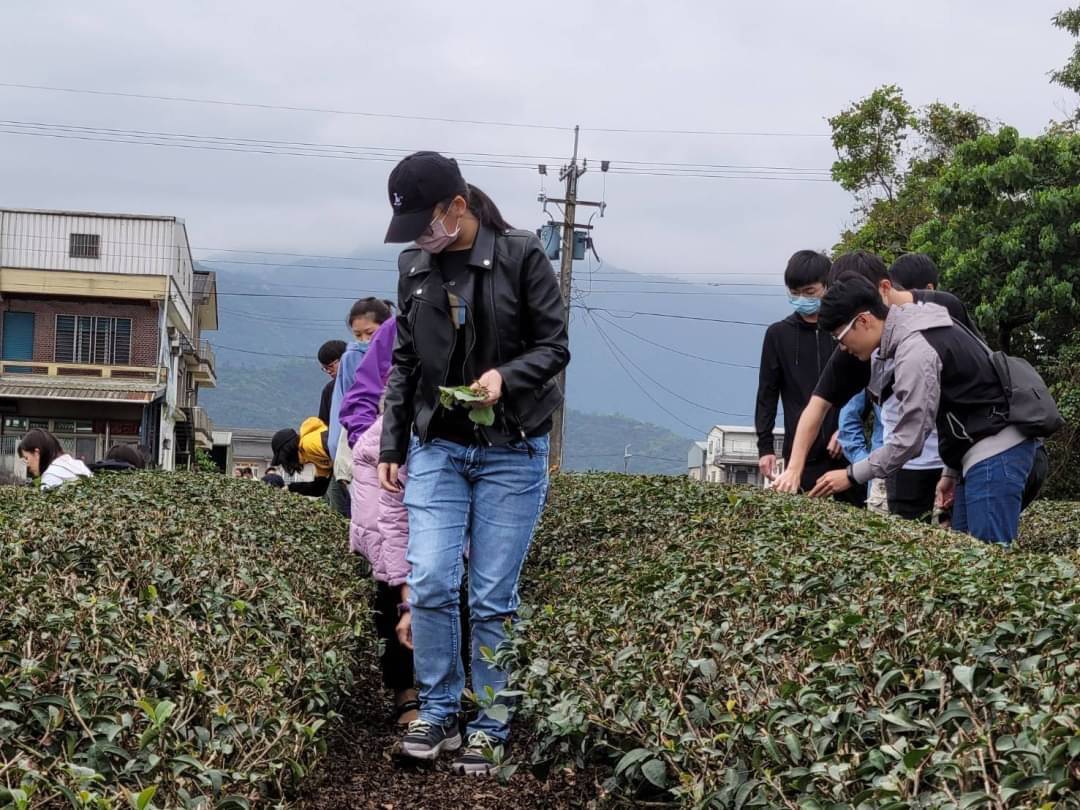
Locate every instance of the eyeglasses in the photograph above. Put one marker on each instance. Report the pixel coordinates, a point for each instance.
(843, 332)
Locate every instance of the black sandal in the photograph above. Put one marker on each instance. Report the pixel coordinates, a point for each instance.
(405, 708)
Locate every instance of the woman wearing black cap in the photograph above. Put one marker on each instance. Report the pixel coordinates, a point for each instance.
(479, 306)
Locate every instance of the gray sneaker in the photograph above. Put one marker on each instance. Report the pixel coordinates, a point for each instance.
(426, 740)
(477, 758)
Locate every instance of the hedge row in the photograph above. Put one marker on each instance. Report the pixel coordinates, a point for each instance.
(169, 640)
(734, 648)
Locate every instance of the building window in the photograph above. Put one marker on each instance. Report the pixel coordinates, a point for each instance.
(84, 246)
(89, 339)
(740, 477)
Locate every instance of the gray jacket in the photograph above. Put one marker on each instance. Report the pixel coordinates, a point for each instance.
(941, 376)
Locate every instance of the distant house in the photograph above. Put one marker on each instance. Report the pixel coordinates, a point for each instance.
(249, 449)
(101, 322)
(731, 455)
(695, 462)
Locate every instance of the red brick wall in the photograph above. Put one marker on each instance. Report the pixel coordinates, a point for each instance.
(145, 322)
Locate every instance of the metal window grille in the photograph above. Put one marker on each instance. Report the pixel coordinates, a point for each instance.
(89, 339)
(84, 246)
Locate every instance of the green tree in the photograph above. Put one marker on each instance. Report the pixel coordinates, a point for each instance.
(1007, 236)
(869, 139)
(889, 155)
(1069, 75)
(1063, 375)
(204, 462)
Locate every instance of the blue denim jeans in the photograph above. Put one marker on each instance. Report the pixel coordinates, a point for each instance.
(989, 497)
(492, 498)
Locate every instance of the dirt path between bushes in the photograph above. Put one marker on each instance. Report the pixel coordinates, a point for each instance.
(362, 769)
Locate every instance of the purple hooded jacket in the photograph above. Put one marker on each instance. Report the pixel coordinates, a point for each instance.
(360, 406)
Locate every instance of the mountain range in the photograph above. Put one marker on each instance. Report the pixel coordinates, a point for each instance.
(676, 352)
(657, 359)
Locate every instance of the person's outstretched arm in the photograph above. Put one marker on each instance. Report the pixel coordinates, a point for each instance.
(813, 416)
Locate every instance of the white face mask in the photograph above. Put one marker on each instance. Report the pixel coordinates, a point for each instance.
(439, 239)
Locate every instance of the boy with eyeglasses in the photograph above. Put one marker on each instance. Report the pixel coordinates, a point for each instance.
(941, 376)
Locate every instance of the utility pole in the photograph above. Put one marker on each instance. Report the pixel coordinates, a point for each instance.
(569, 175)
(626, 460)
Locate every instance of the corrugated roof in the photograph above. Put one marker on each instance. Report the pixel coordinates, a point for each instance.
(86, 391)
(98, 214)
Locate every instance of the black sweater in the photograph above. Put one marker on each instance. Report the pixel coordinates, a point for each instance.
(792, 358)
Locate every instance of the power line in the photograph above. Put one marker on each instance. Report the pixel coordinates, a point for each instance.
(211, 147)
(625, 313)
(298, 255)
(718, 175)
(677, 351)
(620, 275)
(408, 117)
(298, 265)
(724, 294)
(680, 282)
(723, 133)
(642, 388)
(273, 148)
(656, 382)
(284, 107)
(261, 354)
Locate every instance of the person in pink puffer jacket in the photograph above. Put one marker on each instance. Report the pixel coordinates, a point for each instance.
(380, 530)
(379, 527)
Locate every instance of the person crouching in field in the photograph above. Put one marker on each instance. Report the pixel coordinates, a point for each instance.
(293, 450)
(46, 459)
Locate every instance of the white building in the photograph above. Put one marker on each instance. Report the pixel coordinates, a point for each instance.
(101, 317)
(696, 467)
(731, 455)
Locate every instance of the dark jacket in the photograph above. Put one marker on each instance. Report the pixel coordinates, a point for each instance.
(845, 375)
(792, 357)
(943, 378)
(514, 324)
(325, 402)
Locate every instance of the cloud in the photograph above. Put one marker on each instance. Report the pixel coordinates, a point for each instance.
(781, 66)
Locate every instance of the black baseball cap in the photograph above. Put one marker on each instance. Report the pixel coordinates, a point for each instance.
(277, 444)
(417, 184)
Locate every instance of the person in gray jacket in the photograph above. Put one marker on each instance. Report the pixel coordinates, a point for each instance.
(943, 377)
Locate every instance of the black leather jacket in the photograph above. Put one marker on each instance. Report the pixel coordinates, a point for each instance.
(514, 325)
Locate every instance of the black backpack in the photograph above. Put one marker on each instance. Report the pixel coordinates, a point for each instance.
(1032, 409)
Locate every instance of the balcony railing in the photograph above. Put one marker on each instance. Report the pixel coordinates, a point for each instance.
(34, 369)
(204, 367)
(206, 354)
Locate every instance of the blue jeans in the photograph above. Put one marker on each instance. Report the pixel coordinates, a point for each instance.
(989, 497)
(493, 496)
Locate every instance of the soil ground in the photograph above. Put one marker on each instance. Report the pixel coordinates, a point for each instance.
(362, 769)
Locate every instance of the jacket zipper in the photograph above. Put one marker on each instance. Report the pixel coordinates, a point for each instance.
(498, 354)
(477, 429)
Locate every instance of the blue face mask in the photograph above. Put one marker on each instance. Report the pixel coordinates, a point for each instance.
(805, 305)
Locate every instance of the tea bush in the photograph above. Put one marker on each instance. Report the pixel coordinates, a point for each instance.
(1052, 526)
(735, 648)
(169, 640)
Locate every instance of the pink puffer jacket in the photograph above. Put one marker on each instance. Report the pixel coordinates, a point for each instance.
(380, 522)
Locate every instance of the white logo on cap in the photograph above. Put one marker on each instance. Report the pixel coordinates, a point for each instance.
(398, 200)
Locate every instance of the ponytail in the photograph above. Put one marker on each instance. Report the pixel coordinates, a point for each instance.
(483, 208)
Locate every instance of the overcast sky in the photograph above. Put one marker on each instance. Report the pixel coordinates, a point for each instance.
(760, 67)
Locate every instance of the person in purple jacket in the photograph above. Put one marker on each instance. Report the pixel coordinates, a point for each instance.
(379, 525)
(363, 320)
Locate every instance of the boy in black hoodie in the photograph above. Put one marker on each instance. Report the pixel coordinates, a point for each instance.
(792, 358)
